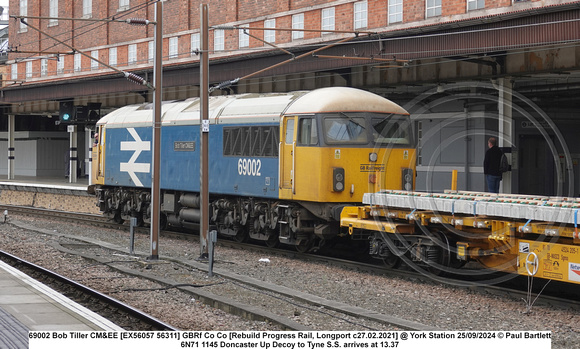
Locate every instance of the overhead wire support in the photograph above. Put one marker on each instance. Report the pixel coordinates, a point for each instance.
(130, 76)
(15, 50)
(309, 53)
(224, 84)
(228, 83)
(371, 59)
(360, 58)
(268, 43)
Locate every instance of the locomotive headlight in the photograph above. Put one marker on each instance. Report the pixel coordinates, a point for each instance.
(338, 179)
(407, 176)
(373, 157)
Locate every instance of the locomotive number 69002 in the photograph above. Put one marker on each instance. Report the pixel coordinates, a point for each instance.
(249, 167)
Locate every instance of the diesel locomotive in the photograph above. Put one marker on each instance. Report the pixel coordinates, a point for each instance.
(282, 165)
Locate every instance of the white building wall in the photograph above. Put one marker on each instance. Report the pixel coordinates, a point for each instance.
(39, 154)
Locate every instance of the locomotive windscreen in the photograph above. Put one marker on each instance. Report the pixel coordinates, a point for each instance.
(366, 128)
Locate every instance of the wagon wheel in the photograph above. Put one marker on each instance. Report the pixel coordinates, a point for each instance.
(392, 261)
(439, 257)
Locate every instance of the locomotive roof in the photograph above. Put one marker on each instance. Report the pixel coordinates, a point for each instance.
(254, 108)
(344, 99)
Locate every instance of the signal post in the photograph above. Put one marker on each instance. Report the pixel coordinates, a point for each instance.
(73, 147)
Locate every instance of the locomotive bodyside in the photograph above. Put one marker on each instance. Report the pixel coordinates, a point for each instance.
(281, 165)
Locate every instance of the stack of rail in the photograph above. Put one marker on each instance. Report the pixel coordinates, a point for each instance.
(510, 206)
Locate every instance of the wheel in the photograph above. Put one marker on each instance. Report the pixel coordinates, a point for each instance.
(380, 247)
(163, 223)
(305, 246)
(139, 218)
(241, 234)
(392, 261)
(273, 240)
(439, 255)
(117, 218)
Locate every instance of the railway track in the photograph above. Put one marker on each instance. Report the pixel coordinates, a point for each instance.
(127, 317)
(236, 294)
(303, 301)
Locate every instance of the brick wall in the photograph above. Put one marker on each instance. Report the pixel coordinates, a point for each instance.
(182, 18)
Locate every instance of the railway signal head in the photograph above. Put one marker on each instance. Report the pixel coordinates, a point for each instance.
(66, 111)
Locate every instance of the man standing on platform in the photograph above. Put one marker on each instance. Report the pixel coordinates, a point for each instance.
(491, 164)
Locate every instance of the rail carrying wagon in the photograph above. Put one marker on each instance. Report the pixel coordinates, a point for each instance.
(528, 235)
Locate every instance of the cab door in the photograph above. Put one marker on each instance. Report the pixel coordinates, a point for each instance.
(287, 160)
(98, 157)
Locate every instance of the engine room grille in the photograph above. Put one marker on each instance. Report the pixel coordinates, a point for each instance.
(251, 141)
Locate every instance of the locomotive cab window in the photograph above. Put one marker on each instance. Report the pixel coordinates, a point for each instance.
(307, 132)
(391, 130)
(366, 129)
(345, 129)
(289, 131)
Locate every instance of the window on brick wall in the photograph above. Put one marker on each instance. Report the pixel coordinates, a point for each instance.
(218, 40)
(77, 62)
(60, 65)
(195, 43)
(298, 23)
(113, 56)
(53, 12)
(475, 4)
(395, 11)
(243, 39)
(270, 35)
(14, 71)
(123, 5)
(43, 67)
(174, 47)
(23, 12)
(151, 50)
(433, 8)
(28, 69)
(94, 64)
(87, 8)
(360, 15)
(327, 19)
(132, 54)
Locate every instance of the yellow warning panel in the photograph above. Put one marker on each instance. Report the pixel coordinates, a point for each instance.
(549, 261)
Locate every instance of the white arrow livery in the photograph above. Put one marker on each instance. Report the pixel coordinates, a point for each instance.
(132, 167)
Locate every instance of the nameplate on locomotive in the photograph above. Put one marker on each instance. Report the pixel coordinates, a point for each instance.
(184, 146)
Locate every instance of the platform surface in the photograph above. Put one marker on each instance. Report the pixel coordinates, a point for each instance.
(27, 305)
(47, 182)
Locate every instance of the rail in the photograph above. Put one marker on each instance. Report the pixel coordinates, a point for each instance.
(145, 321)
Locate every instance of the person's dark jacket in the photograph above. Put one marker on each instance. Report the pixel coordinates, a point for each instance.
(492, 160)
